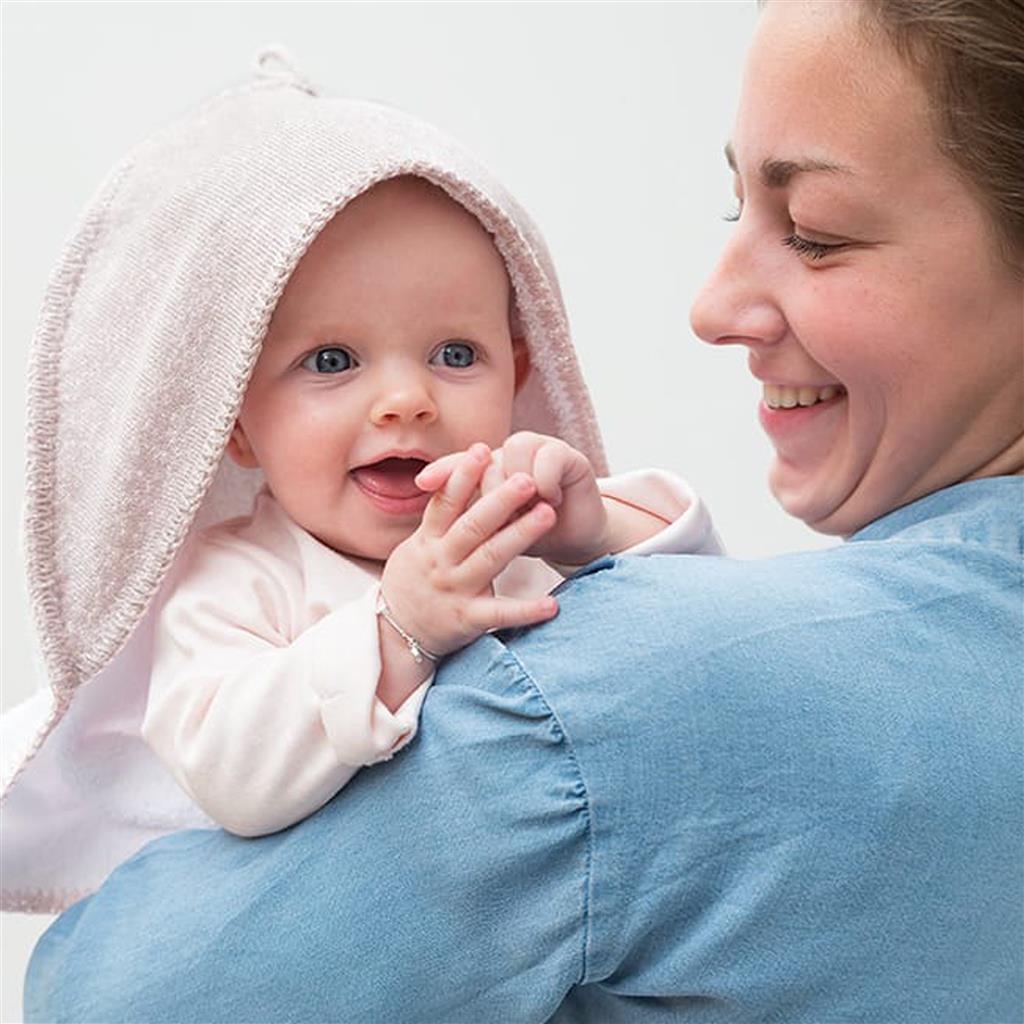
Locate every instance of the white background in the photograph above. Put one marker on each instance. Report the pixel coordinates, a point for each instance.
(606, 120)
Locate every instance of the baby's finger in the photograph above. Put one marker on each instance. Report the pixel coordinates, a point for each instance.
(453, 499)
(434, 475)
(494, 475)
(476, 526)
(518, 452)
(491, 557)
(551, 466)
(486, 613)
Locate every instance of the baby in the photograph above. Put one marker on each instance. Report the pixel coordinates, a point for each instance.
(304, 417)
(380, 413)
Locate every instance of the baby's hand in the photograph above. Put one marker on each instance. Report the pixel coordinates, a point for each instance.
(564, 479)
(438, 582)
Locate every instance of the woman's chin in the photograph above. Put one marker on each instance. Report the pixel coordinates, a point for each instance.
(823, 506)
(810, 495)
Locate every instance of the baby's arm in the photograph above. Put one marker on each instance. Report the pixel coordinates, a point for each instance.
(685, 525)
(261, 716)
(262, 700)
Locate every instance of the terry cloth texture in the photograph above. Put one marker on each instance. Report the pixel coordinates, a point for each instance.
(150, 329)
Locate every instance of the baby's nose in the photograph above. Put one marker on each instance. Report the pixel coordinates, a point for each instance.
(408, 401)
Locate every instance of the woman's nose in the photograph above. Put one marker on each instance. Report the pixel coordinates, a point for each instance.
(737, 304)
(405, 400)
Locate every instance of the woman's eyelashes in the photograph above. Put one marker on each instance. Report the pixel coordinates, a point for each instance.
(798, 243)
(809, 248)
(329, 360)
(455, 355)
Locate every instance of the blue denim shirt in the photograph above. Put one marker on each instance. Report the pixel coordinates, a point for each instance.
(710, 790)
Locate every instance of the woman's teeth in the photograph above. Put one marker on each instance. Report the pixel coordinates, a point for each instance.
(777, 396)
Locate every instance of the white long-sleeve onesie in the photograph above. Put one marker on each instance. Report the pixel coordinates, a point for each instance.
(262, 700)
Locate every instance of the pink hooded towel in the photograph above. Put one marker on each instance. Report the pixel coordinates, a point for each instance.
(150, 328)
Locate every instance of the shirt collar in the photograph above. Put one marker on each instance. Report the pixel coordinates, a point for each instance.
(988, 512)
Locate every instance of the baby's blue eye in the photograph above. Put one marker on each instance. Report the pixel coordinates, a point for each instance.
(456, 354)
(328, 360)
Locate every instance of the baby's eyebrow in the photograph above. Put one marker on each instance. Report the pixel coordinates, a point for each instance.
(778, 173)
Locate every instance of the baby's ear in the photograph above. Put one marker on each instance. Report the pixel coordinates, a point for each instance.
(239, 448)
(521, 360)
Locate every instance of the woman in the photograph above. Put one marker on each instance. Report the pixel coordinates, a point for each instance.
(709, 790)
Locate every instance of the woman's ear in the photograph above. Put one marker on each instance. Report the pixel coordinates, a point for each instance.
(239, 448)
(521, 360)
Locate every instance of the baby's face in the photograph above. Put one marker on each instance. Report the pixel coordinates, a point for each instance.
(390, 347)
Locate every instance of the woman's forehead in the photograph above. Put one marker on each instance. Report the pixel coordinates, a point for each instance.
(820, 94)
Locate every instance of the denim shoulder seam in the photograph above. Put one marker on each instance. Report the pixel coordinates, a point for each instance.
(588, 817)
(942, 542)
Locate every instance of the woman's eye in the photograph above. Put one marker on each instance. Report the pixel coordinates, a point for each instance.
(812, 250)
(328, 360)
(455, 354)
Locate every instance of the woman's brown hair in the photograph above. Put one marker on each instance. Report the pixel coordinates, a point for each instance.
(970, 55)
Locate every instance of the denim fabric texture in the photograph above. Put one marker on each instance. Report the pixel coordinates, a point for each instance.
(709, 791)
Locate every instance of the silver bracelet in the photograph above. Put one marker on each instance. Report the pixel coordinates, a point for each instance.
(416, 649)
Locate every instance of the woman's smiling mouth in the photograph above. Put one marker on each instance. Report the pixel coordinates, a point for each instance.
(800, 420)
(779, 396)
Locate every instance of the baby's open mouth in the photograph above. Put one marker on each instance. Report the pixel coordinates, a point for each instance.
(390, 478)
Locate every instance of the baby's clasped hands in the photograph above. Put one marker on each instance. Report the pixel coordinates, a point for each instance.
(438, 582)
(564, 479)
(535, 495)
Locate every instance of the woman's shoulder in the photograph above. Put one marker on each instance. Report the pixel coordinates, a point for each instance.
(741, 726)
(871, 609)
(837, 663)
(959, 547)
(837, 592)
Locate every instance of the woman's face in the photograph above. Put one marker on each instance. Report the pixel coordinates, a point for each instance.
(864, 278)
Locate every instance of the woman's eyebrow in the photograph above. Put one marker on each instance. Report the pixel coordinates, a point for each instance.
(778, 173)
